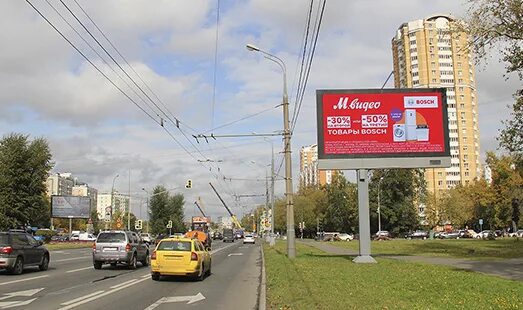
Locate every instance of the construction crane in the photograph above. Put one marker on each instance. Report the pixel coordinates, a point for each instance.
(200, 208)
(234, 219)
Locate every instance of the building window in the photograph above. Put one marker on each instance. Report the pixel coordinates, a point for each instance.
(440, 183)
(462, 105)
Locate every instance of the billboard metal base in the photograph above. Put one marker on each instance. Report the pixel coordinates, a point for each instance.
(364, 218)
(364, 259)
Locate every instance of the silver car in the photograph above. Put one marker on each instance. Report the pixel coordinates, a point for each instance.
(118, 246)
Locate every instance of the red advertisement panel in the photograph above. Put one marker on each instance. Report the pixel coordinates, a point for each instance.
(392, 122)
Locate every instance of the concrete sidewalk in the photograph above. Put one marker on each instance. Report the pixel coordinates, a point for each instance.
(508, 268)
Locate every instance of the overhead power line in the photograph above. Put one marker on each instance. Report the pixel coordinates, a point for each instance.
(90, 62)
(298, 107)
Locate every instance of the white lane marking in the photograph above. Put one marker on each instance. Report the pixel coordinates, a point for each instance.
(70, 306)
(122, 284)
(79, 269)
(26, 293)
(72, 258)
(235, 254)
(22, 280)
(189, 299)
(80, 298)
(221, 249)
(145, 276)
(11, 304)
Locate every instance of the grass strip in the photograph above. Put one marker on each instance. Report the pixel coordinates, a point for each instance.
(318, 280)
(462, 248)
(65, 246)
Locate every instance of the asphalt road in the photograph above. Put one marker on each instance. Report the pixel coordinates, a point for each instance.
(72, 283)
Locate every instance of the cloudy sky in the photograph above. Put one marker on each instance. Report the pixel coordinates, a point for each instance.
(189, 62)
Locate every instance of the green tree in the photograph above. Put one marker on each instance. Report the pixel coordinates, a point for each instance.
(280, 216)
(495, 25)
(163, 208)
(507, 184)
(24, 167)
(341, 213)
(434, 211)
(511, 137)
(175, 206)
(310, 207)
(401, 191)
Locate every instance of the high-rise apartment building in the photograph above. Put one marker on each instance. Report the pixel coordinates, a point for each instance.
(309, 173)
(431, 53)
(60, 184)
(86, 190)
(119, 201)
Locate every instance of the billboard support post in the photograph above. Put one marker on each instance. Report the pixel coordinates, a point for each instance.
(364, 218)
(70, 227)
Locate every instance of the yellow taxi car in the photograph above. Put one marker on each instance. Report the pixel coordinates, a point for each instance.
(180, 257)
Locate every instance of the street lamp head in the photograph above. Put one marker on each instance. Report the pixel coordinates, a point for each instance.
(252, 48)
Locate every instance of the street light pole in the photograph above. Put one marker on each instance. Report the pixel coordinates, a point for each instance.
(147, 208)
(112, 199)
(272, 190)
(291, 242)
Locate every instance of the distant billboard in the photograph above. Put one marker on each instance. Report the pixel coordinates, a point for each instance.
(71, 207)
(382, 128)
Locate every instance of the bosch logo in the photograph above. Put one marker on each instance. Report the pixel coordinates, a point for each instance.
(424, 101)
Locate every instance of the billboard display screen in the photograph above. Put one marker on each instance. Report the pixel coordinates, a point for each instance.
(71, 207)
(382, 123)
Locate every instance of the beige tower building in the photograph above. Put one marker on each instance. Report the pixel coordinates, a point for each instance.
(309, 173)
(429, 53)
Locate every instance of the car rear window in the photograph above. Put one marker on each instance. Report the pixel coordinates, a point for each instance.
(4, 239)
(174, 246)
(111, 237)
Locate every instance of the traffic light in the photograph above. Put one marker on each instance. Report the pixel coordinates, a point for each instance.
(138, 225)
(188, 184)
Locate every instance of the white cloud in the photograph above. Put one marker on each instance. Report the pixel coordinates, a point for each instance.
(47, 89)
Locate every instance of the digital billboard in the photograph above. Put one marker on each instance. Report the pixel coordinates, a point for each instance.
(70, 207)
(382, 128)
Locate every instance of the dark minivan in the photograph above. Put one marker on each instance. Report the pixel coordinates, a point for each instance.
(19, 249)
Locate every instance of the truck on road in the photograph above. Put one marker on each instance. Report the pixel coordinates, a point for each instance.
(200, 230)
(228, 235)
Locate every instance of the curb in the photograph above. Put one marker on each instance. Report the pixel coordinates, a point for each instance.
(263, 287)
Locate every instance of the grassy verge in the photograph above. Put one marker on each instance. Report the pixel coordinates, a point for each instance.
(317, 280)
(68, 245)
(462, 248)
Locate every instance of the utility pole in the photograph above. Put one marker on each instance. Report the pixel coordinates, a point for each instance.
(291, 235)
(112, 204)
(129, 204)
